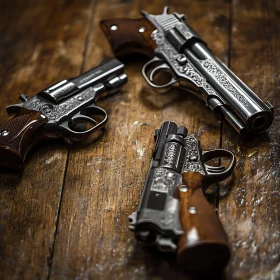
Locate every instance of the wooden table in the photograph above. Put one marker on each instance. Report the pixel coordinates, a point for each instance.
(65, 215)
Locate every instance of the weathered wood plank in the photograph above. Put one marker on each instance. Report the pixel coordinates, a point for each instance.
(104, 181)
(251, 210)
(41, 42)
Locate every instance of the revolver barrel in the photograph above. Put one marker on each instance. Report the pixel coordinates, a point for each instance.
(99, 74)
(112, 70)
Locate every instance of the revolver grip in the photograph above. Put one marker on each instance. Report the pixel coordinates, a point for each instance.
(19, 135)
(203, 247)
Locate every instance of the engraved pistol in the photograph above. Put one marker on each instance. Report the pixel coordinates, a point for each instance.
(66, 109)
(173, 213)
(176, 48)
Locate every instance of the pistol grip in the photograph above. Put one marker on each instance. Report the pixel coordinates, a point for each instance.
(204, 245)
(129, 36)
(19, 135)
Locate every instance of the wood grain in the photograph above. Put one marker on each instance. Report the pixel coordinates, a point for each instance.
(40, 43)
(104, 182)
(203, 247)
(65, 215)
(252, 207)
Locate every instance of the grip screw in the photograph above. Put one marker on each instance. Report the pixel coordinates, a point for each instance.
(183, 188)
(192, 210)
(5, 132)
(114, 27)
(181, 58)
(142, 29)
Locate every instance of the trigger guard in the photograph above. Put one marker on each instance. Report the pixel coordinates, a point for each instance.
(149, 79)
(157, 69)
(82, 117)
(64, 130)
(219, 173)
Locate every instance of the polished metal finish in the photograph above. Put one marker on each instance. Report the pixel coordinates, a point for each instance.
(156, 222)
(192, 210)
(181, 51)
(70, 106)
(183, 188)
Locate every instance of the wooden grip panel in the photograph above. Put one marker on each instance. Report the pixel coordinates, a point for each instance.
(129, 36)
(18, 135)
(204, 245)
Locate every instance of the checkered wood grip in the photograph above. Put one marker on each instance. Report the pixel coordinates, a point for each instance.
(19, 135)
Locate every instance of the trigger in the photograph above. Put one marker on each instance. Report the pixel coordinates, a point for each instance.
(214, 169)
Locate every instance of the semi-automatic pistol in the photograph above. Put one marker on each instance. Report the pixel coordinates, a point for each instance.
(175, 48)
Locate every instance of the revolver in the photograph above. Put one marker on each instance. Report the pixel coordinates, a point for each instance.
(173, 213)
(66, 109)
(180, 56)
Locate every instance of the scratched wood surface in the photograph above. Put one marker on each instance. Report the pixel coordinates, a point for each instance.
(65, 215)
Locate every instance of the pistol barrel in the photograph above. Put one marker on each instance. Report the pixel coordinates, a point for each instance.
(242, 104)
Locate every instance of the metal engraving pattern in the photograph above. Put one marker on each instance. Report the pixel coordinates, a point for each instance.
(193, 162)
(163, 180)
(171, 154)
(216, 72)
(186, 71)
(56, 111)
(167, 219)
(164, 219)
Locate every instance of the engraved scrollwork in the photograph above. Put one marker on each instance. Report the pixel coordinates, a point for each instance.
(56, 111)
(192, 151)
(186, 71)
(215, 71)
(171, 154)
(163, 180)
